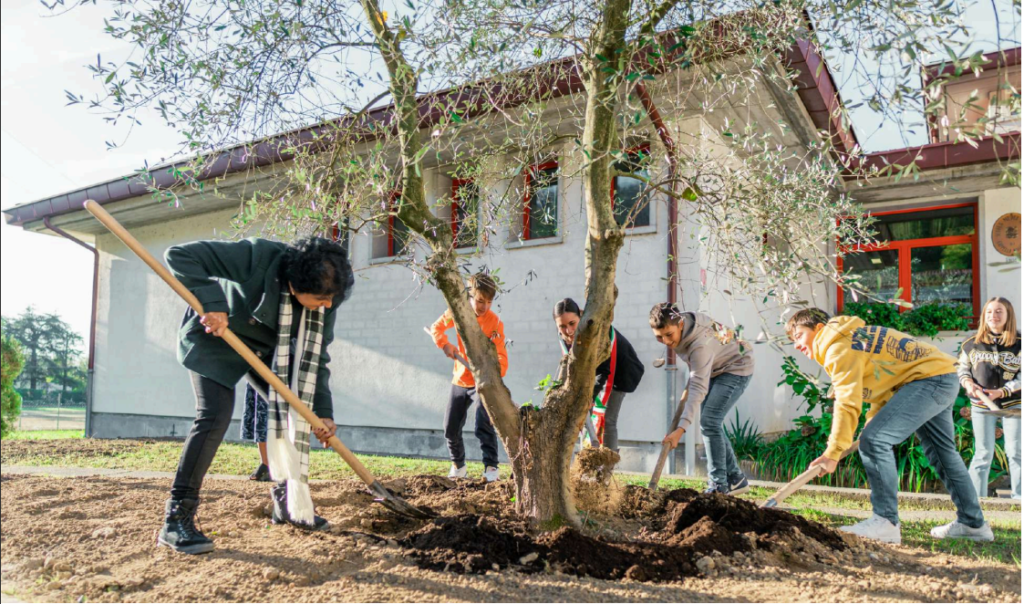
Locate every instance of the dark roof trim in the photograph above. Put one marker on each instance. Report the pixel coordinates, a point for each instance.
(936, 156)
(819, 94)
(816, 90)
(993, 60)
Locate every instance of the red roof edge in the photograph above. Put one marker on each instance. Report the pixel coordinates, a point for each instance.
(814, 83)
(935, 156)
(993, 60)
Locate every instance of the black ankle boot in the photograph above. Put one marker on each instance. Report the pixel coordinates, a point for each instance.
(279, 494)
(262, 474)
(180, 532)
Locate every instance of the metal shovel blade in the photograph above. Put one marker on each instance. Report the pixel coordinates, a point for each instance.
(398, 505)
(770, 503)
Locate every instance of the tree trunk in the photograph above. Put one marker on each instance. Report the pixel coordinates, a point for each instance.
(539, 442)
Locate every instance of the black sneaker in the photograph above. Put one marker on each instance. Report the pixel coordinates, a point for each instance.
(714, 487)
(279, 493)
(262, 474)
(739, 487)
(179, 532)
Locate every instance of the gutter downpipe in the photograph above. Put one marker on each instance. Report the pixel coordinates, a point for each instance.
(92, 324)
(671, 387)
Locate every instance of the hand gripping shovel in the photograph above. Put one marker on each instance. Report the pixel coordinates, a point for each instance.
(389, 500)
(996, 409)
(797, 483)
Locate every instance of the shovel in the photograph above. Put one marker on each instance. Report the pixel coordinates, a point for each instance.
(385, 497)
(665, 448)
(458, 357)
(996, 409)
(798, 483)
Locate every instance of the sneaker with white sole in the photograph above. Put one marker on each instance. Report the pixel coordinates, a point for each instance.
(490, 473)
(877, 528)
(739, 487)
(457, 472)
(956, 530)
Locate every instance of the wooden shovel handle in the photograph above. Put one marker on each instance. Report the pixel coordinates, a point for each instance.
(228, 336)
(808, 475)
(665, 449)
(991, 404)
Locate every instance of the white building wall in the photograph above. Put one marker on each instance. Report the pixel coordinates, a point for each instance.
(386, 372)
(138, 315)
(1000, 276)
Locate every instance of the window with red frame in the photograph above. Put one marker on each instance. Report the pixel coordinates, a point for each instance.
(540, 207)
(465, 201)
(630, 199)
(398, 232)
(928, 256)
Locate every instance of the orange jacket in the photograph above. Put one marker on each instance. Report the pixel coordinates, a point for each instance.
(490, 324)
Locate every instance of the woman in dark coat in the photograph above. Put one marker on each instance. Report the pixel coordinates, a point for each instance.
(616, 377)
(254, 287)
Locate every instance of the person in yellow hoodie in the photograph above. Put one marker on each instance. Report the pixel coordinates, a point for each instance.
(911, 387)
(482, 290)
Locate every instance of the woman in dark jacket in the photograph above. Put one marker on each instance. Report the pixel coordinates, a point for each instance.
(616, 377)
(989, 364)
(253, 287)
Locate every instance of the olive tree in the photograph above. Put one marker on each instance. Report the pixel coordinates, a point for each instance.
(369, 96)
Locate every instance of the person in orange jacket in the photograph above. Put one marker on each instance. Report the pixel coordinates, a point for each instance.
(482, 291)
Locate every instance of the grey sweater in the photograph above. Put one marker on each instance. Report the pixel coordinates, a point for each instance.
(710, 349)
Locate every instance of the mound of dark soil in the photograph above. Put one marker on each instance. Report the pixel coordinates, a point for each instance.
(471, 544)
(686, 508)
(693, 525)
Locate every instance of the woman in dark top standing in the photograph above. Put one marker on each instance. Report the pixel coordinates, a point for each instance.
(989, 364)
(616, 377)
(251, 287)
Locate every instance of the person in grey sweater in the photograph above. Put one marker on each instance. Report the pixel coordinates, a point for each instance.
(721, 366)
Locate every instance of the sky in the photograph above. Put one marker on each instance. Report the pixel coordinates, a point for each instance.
(48, 148)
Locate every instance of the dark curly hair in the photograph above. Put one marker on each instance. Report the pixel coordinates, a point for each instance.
(664, 314)
(318, 266)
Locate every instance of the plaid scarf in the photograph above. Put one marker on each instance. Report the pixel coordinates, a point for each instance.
(287, 432)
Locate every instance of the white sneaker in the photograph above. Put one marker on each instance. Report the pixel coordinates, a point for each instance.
(455, 472)
(877, 528)
(955, 530)
(490, 473)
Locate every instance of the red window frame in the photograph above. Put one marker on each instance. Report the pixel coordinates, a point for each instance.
(526, 195)
(639, 149)
(457, 184)
(904, 247)
(393, 197)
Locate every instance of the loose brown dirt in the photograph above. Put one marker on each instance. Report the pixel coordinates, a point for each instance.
(94, 539)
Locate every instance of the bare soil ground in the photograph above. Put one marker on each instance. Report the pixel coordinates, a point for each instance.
(93, 539)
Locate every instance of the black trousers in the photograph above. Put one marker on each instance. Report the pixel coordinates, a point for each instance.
(214, 405)
(459, 402)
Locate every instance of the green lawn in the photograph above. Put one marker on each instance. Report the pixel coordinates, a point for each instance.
(241, 459)
(45, 435)
(1006, 548)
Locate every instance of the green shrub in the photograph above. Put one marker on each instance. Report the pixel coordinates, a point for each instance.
(11, 362)
(925, 320)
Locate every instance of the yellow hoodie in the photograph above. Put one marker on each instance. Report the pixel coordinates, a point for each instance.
(868, 364)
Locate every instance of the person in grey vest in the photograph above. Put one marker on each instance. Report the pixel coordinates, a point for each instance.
(721, 366)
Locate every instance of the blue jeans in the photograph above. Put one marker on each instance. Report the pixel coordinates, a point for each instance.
(924, 407)
(723, 392)
(985, 449)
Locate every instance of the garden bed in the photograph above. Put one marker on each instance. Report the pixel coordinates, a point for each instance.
(94, 538)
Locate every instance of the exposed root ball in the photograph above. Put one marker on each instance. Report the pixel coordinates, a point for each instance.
(592, 481)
